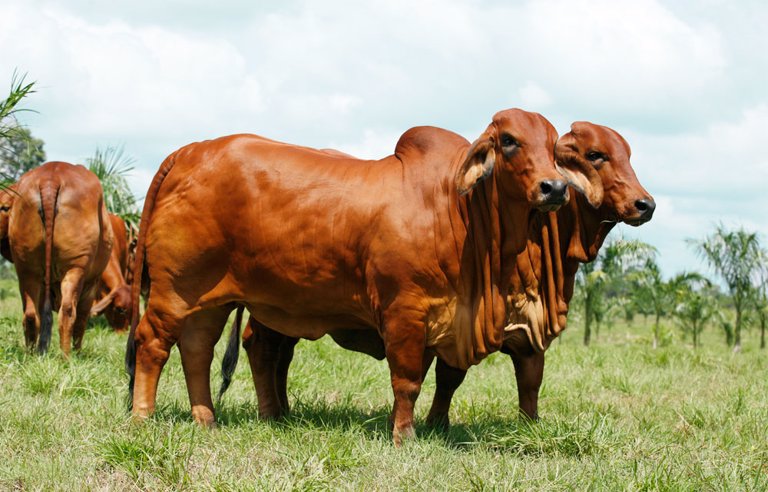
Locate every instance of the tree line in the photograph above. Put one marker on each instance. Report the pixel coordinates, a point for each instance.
(625, 280)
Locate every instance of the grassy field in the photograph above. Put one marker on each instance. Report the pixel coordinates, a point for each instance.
(617, 415)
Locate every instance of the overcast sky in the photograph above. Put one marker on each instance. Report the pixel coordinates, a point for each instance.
(686, 82)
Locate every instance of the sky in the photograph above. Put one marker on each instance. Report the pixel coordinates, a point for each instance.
(685, 82)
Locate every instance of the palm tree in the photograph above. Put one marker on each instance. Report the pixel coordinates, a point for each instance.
(654, 292)
(111, 167)
(607, 274)
(736, 256)
(695, 306)
(9, 107)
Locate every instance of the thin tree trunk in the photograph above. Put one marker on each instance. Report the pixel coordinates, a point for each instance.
(737, 331)
(656, 333)
(695, 336)
(762, 330)
(587, 321)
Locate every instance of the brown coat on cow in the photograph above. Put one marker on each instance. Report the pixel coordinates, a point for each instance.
(60, 242)
(7, 197)
(114, 292)
(543, 282)
(414, 247)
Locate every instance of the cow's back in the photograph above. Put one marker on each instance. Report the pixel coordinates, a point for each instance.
(81, 235)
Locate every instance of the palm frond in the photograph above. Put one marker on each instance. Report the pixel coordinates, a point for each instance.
(111, 166)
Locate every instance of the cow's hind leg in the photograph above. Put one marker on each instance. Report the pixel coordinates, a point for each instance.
(71, 286)
(447, 380)
(155, 335)
(269, 354)
(31, 322)
(199, 335)
(287, 347)
(84, 305)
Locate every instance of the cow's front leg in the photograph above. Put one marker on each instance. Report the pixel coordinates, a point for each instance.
(404, 343)
(447, 380)
(529, 372)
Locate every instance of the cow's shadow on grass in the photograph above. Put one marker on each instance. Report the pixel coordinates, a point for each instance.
(573, 438)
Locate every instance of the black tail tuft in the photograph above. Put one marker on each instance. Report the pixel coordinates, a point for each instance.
(231, 355)
(130, 366)
(46, 325)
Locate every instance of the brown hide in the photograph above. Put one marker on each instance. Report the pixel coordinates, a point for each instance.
(414, 247)
(60, 241)
(7, 197)
(114, 292)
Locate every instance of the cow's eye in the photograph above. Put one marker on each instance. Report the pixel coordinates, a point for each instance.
(4, 208)
(508, 140)
(595, 156)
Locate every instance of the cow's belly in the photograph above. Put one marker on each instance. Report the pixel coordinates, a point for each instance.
(308, 325)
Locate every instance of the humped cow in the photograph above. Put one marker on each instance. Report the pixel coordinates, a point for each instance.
(606, 192)
(416, 248)
(60, 241)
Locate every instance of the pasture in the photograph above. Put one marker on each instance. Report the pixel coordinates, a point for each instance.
(615, 415)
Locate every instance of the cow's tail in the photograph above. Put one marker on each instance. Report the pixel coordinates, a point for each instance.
(138, 267)
(49, 194)
(231, 355)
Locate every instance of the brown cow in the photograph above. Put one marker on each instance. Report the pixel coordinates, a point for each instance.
(543, 281)
(541, 285)
(114, 291)
(413, 248)
(60, 241)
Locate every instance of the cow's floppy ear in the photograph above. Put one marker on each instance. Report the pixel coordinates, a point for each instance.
(478, 165)
(579, 172)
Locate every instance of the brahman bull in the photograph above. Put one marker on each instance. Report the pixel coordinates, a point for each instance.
(541, 285)
(114, 291)
(60, 242)
(414, 248)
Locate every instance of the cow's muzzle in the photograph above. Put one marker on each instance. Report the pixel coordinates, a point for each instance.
(553, 193)
(645, 208)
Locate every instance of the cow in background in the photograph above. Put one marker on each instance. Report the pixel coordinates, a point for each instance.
(60, 242)
(114, 290)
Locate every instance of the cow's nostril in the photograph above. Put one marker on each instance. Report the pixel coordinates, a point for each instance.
(645, 206)
(546, 187)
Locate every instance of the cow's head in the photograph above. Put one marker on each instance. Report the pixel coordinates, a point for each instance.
(595, 159)
(116, 307)
(518, 148)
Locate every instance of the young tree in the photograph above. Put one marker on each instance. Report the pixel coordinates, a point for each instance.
(735, 256)
(111, 166)
(695, 305)
(602, 282)
(655, 293)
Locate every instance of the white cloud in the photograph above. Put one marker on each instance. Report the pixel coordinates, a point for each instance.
(682, 81)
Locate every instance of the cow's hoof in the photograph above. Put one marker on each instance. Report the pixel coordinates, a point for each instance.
(204, 416)
(403, 434)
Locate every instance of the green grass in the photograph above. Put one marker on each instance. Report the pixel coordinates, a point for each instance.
(615, 416)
